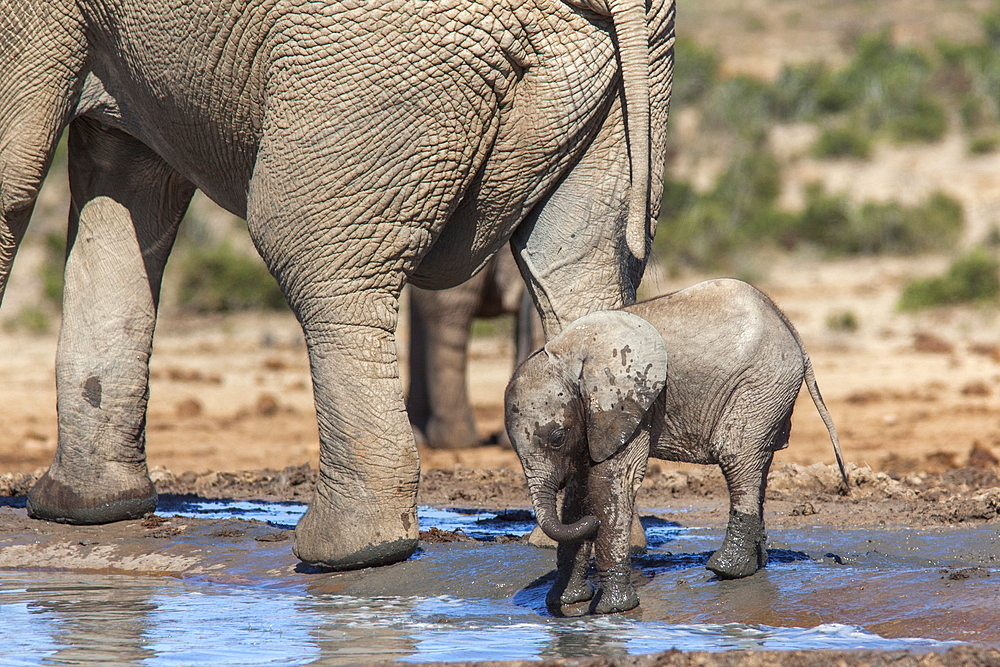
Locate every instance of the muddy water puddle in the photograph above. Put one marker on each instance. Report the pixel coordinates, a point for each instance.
(249, 602)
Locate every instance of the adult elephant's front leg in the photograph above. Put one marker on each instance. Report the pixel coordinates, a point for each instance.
(126, 206)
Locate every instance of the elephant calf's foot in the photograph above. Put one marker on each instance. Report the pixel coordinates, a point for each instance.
(564, 593)
(344, 540)
(122, 495)
(743, 552)
(615, 593)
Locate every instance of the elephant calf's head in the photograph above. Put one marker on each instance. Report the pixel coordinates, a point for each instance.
(581, 399)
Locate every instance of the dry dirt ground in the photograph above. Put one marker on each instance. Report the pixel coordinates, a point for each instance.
(909, 393)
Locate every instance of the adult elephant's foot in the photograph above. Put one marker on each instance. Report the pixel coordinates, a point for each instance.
(343, 539)
(442, 434)
(115, 493)
(615, 593)
(744, 551)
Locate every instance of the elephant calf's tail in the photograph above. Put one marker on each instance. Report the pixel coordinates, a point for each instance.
(810, 380)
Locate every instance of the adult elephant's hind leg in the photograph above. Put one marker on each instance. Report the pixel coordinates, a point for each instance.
(344, 287)
(363, 512)
(126, 207)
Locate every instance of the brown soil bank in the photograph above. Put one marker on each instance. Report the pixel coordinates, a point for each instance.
(797, 495)
(965, 656)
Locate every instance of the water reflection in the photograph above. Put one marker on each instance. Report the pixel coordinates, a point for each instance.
(193, 627)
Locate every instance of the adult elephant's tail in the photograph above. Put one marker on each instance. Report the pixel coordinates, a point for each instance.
(631, 30)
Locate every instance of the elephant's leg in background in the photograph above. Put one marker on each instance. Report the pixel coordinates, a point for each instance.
(438, 399)
(126, 205)
(571, 585)
(41, 54)
(745, 467)
(612, 490)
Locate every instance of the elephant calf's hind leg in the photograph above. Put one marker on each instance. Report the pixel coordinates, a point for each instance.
(744, 549)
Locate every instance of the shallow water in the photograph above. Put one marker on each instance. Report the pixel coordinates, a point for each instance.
(823, 588)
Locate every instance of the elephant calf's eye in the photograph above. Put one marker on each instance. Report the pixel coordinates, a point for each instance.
(557, 438)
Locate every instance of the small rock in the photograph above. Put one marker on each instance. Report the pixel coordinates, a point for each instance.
(188, 408)
(267, 405)
(968, 573)
(977, 388)
(279, 536)
(228, 532)
(803, 509)
(932, 344)
(437, 536)
(981, 457)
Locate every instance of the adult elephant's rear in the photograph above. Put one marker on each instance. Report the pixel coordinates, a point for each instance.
(366, 143)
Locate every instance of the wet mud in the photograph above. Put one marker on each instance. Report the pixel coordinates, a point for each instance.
(885, 568)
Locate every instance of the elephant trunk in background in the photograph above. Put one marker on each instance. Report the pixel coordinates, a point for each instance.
(629, 17)
(543, 500)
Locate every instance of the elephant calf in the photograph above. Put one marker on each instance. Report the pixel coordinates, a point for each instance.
(706, 375)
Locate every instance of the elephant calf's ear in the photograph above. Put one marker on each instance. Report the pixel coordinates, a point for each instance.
(624, 371)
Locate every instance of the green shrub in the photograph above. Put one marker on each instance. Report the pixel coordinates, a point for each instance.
(31, 319)
(924, 120)
(831, 222)
(219, 279)
(742, 106)
(695, 72)
(984, 144)
(794, 95)
(706, 230)
(493, 327)
(842, 320)
(974, 277)
(937, 224)
(824, 218)
(885, 88)
(843, 141)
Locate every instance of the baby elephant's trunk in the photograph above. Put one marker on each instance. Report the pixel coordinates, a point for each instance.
(544, 501)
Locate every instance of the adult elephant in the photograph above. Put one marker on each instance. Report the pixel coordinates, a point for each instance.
(440, 328)
(367, 144)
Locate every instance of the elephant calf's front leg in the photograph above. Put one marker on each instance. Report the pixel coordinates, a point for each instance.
(571, 585)
(613, 499)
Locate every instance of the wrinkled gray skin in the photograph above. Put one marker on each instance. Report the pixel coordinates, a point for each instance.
(367, 144)
(440, 329)
(706, 375)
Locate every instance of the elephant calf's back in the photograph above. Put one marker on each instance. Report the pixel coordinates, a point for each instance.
(733, 362)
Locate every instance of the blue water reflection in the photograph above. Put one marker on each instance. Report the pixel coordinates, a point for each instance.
(250, 627)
